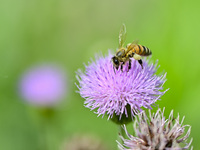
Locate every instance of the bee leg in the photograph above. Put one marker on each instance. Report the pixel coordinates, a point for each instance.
(140, 62)
(115, 68)
(122, 66)
(129, 64)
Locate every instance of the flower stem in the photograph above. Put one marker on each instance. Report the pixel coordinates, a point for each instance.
(46, 117)
(122, 133)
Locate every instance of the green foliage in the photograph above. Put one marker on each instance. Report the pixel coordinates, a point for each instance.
(69, 33)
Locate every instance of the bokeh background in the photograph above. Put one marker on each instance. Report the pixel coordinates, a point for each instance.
(69, 33)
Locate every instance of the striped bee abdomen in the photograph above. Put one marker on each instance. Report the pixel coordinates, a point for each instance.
(142, 50)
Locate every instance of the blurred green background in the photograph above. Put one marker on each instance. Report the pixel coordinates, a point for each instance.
(69, 33)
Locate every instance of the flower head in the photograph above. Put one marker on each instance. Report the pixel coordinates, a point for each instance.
(156, 132)
(116, 92)
(43, 85)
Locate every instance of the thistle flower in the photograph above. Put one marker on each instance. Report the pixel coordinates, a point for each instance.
(119, 93)
(43, 85)
(157, 133)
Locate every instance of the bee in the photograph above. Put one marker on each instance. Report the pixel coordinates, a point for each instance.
(132, 50)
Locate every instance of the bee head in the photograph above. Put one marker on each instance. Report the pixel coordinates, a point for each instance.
(115, 62)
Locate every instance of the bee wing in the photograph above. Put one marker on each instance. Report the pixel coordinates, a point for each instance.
(135, 42)
(122, 35)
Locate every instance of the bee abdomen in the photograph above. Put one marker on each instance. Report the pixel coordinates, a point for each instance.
(142, 50)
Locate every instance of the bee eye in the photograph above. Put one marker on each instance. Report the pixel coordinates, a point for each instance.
(115, 60)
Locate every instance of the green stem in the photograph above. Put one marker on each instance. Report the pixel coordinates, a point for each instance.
(122, 133)
(46, 120)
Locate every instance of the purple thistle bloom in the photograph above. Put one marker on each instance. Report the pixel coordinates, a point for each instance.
(114, 92)
(156, 132)
(44, 85)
